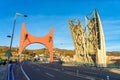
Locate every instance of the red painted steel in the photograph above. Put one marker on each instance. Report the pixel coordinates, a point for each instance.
(27, 39)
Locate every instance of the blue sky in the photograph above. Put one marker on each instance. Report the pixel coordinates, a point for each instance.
(43, 14)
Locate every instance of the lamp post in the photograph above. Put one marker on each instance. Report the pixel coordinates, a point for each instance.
(8, 53)
(17, 14)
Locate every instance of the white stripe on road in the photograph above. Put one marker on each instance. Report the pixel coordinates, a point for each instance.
(25, 73)
(50, 75)
(70, 73)
(89, 72)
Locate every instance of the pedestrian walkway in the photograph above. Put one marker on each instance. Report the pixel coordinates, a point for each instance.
(3, 69)
(114, 70)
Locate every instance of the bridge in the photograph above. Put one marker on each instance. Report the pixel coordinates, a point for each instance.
(29, 70)
(54, 71)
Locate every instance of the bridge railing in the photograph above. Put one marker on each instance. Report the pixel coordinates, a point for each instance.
(10, 75)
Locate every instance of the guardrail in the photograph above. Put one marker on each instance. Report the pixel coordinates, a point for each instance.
(10, 75)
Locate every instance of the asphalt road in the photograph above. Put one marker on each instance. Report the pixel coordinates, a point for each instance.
(96, 73)
(53, 71)
(2, 71)
(41, 72)
(18, 74)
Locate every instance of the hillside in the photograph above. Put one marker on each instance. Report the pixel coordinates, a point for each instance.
(27, 52)
(45, 51)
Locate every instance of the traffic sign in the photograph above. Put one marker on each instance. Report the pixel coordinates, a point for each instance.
(8, 53)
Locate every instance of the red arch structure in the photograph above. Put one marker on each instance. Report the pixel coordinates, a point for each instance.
(26, 39)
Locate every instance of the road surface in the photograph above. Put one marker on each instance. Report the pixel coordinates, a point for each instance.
(40, 72)
(53, 71)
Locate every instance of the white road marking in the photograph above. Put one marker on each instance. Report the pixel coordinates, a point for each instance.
(89, 72)
(25, 73)
(50, 75)
(70, 73)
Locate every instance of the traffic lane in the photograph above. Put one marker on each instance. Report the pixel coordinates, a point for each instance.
(98, 72)
(18, 75)
(69, 72)
(74, 70)
(87, 71)
(36, 72)
(74, 75)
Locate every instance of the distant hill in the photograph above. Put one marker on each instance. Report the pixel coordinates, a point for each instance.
(64, 52)
(28, 52)
(113, 53)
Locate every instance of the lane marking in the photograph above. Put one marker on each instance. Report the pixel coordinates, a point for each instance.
(89, 72)
(70, 73)
(25, 73)
(49, 74)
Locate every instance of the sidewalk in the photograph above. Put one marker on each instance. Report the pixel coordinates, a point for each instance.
(114, 70)
(2, 72)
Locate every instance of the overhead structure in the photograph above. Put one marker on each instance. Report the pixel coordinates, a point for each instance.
(27, 39)
(89, 43)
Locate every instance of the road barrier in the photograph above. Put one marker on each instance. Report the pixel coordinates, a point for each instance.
(10, 75)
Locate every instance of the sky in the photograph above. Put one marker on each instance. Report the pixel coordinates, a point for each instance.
(44, 14)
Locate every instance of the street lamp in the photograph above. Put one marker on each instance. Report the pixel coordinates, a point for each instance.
(17, 14)
(8, 53)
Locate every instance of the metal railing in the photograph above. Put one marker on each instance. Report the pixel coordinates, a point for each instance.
(10, 74)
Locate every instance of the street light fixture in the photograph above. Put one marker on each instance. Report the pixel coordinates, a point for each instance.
(9, 36)
(19, 14)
